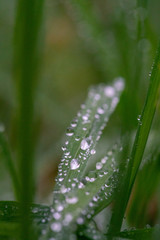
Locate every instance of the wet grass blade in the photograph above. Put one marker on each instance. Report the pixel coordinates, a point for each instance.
(10, 212)
(85, 131)
(82, 136)
(8, 161)
(106, 194)
(137, 234)
(145, 121)
(139, 145)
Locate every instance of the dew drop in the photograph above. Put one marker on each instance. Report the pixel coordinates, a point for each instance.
(93, 151)
(67, 219)
(56, 227)
(74, 164)
(70, 131)
(85, 144)
(60, 179)
(59, 208)
(119, 84)
(71, 200)
(109, 91)
(100, 110)
(98, 165)
(80, 220)
(57, 215)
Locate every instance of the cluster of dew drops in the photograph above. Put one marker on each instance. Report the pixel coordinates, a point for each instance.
(102, 101)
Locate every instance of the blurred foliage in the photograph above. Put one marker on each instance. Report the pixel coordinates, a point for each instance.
(83, 43)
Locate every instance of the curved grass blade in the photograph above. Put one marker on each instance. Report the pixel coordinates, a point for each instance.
(139, 145)
(85, 131)
(82, 137)
(79, 204)
(8, 161)
(106, 194)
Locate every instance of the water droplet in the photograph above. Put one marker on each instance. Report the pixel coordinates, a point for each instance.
(81, 185)
(67, 219)
(56, 227)
(56, 215)
(85, 117)
(109, 91)
(85, 143)
(87, 193)
(63, 189)
(70, 131)
(75, 163)
(59, 208)
(60, 179)
(103, 161)
(71, 200)
(80, 220)
(77, 138)
(119, 84)
(139, 119)
(93, 151)
(100, 110)
(98, 165)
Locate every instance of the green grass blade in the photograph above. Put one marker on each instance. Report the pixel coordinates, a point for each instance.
(82, 137)
(145, 121)
(106, 194)
(74, 203)
(145, 187)
(10, 230)
(137, 234)
(139, 145)
(10, 165)
(10, 212)
(85, 131)
(27, 28)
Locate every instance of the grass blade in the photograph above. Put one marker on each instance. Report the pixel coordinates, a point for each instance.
(10, 165)
(139, 145)
(28, 19)
(85, 131)
(82, 137)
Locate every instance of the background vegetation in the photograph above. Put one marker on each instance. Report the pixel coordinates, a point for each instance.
(51, 52)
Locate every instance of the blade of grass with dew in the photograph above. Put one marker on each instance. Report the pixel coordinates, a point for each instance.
(91, 232)
(85, 131)
(139, 145)
(8, 161)
(10, 212)
(106, 194)
(82, 137)
(75, 202)
(27, 29)
(137, 234)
